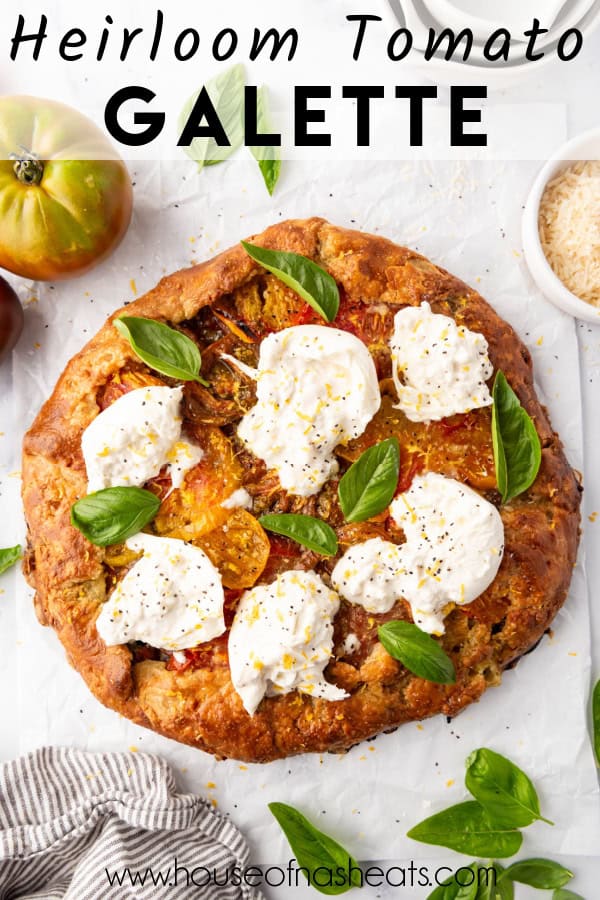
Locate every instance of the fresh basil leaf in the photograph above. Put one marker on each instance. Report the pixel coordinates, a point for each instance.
(162, 348)
(112, 515)
(503, 889)
(446, 891)
(417, 651)
(544, 874)
(485, 885)
(226, 92)
(368, 486)
(563, 894)
(503, 789)
(516, 443)
(309, 280)
(317, 852)
(9, 556)
(270, 168)
(468, 891)
(596, 720)
(313, 533)
(467, 828)
(268, 158)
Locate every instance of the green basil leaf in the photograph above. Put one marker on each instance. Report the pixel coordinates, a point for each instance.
(162, 348)
(112, 515)
(317, 852)
(309, 280)
(9, 556)
(268, 158)
(313, 533)
(563, 894)
(503, 889)
(503, 789)
(467, 828)
(516, 443)
(368, 486)
(544, 874)
(468, 891)
(485, 884)
(417, 651)
(596, 720)
(226, 92)
(446, 891)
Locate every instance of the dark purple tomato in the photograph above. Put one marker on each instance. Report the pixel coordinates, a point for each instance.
(11, 318)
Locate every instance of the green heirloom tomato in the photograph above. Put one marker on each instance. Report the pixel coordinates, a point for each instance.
(65, 193)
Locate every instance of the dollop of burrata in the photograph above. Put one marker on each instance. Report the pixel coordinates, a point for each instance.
(171, 598)
(452, 553)
(316, 388)
(439, 368)
(133, 438)
(281, 639)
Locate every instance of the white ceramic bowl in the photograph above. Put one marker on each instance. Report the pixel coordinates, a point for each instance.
(415, 15)
(483, 16)
(585, 146)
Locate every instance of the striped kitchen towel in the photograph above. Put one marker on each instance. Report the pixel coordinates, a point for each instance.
(86, 826)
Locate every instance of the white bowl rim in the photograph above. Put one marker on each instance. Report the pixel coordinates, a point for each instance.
(541, 270)
(483, 25)
(504, 75)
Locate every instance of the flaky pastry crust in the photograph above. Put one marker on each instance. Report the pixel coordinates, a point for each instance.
(199, 706)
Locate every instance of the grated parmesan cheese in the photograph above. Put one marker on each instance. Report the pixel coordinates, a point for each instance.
(569, 226)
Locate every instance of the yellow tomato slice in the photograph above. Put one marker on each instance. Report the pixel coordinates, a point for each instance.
(239, 549)
(195, 509)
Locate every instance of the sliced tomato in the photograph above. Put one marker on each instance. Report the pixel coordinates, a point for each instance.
(456, 422)
(413, 465)
(161, 484)
(124, 382)
(236, 326)
(239, 548)
(349, 315)
(195, 509)
(212, 651)
(306, 315)
(282, 546)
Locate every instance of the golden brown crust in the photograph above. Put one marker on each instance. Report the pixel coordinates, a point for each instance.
(199, 706)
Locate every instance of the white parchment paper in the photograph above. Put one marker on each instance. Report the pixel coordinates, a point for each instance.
(466, 216)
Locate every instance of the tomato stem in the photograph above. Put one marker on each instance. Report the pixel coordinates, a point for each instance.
(27, 167)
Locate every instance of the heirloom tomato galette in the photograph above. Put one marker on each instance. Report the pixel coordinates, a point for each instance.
(296, 496)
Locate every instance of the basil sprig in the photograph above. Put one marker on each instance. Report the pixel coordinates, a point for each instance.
(267, 157)
(544, 874)
(516, 443)
(9, 556)
(596, 720)
(337, 873)
(486, 884)
(502, 890)
(313, 533)
(162, 348)
(563, 894)
(368, 486)
(417, 651)
(304, 276)
(503, 789)
(226, 93)
(467, 828)
(488, 825)
(112, 515)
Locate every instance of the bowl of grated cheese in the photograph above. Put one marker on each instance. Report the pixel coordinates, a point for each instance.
(561, 228)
